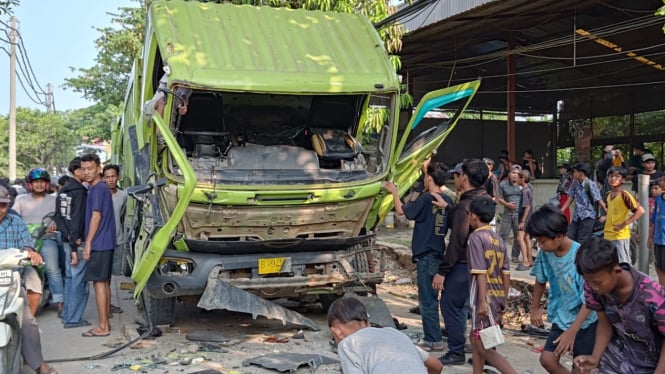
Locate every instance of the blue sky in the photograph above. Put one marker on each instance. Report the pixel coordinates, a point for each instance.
(56, 34)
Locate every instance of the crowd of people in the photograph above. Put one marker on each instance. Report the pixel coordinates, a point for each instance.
(81, 218)
(609, 316)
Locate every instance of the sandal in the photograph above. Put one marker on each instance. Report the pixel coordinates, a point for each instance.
(92, 333)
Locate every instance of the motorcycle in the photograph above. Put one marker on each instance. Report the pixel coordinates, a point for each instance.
(11, 308)
(38, 231)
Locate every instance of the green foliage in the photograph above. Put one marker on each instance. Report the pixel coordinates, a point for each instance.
(92, 122)
(42, 140)
(376, 118)
(7, 5)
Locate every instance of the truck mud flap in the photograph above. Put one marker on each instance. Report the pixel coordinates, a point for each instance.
(379, 314)
(222, 295)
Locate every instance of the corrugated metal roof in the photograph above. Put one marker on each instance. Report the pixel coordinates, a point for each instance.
(265, 49)
(441, 10)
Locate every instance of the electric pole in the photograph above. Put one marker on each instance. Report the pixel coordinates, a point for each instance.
(49, 98)
(12, 100)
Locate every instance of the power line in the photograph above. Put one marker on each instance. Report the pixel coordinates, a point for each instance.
(25, 67)
(573, 88)
(27, 93)
(26, 62)
(24, 52)
(609, 30)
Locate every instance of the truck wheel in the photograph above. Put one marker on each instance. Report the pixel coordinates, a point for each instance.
(327, 299)
(360, 262)
(159, 311)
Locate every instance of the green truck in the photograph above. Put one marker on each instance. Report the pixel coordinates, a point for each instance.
(255, 141)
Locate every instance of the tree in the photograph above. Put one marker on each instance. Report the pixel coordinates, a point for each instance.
(43, 140)
(7, 5)
(92, 122)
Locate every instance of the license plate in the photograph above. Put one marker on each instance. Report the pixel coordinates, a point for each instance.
(274, 265)
(5, 277)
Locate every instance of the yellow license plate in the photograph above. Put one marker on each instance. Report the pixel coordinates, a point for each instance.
(271, 265)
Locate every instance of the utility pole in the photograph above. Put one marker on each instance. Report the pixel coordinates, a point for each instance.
(49, 98)
(12, 100)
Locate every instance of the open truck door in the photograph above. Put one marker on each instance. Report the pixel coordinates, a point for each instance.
(405, 165)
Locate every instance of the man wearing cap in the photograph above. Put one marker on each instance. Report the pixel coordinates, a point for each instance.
(37, 208)
(14, 234)
(452, 277)
(649, 168)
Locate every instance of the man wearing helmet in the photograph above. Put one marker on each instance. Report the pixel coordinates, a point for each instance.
(33, 207)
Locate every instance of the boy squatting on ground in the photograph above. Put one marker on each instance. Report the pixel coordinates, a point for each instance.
(427, 245)
(620, 205)
(364, 349)
(490, 279)
(573, 325)
(631, 313)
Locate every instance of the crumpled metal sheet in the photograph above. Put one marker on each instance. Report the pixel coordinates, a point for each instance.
(379, 314)
(219, 294)
(290, 362)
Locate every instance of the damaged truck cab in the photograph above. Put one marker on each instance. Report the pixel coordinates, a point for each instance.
(255, 141)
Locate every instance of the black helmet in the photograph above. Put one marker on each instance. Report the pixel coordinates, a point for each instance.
(37, 174)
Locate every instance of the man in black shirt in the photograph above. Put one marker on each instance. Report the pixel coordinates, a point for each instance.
(452, 277)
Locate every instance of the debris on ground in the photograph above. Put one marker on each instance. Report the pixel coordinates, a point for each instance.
(275, 339)
(535, 330)
(114, 343)
(206, 336)
(156, 332)
(290, 362)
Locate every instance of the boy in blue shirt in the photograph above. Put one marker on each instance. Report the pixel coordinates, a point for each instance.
(573, 325)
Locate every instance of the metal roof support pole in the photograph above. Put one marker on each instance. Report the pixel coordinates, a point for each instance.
(631, 131)
(510, 135)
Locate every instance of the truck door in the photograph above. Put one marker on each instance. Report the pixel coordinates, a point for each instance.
(448, 103)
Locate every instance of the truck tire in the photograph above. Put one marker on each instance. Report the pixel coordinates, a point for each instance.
(326, 300)
(159, 311)
(360, 262)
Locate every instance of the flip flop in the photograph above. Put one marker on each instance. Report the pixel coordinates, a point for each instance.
(91, 333)
(115, 309)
